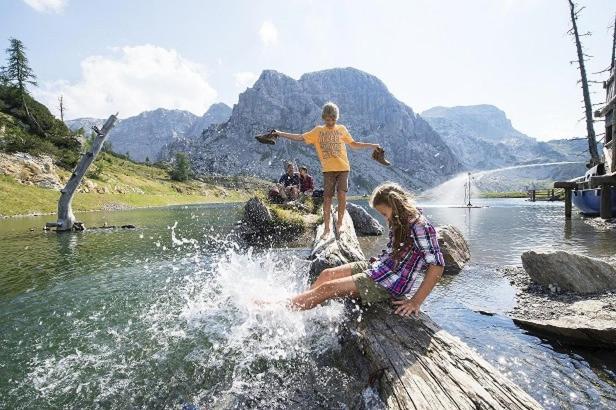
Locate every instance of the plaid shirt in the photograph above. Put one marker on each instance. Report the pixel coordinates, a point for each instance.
(422, 250)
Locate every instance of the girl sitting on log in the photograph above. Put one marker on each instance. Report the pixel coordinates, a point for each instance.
(413, 247)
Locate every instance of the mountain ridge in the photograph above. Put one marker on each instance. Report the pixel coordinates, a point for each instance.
(368, 109)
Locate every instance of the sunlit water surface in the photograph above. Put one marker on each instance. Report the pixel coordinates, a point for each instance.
(164, 315)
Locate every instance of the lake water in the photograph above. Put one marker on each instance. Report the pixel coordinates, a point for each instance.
(163, 316)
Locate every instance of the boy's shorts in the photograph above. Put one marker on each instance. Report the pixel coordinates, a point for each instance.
(369, 290)
(337, 181)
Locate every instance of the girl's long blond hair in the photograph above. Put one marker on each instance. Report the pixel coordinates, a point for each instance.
(403, 212)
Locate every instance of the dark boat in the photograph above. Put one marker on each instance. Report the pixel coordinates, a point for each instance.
(602, 177)
(588, 201)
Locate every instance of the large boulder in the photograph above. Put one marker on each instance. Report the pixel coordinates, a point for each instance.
(256, 213)
(454, 247)
(364, 223)
(569, 271)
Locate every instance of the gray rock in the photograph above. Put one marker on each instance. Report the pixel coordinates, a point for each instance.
(589, 323)
(364, 223)
(569, 271)
(454, 247)
(256, 213)
(371, 113)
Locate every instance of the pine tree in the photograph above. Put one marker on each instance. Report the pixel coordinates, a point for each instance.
(18, 70)
(4, 79)
(181, 169)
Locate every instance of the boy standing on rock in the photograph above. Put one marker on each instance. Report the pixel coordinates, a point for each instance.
(330, 142)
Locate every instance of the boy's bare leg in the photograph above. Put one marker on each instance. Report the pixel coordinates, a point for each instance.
(332, 289)
(328, 274)
(327, 215)
(341, 209)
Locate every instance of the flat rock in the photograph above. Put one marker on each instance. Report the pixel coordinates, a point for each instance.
(586, 320)
(580, 330)
(569, 271)
(364, 223)
(454, 247)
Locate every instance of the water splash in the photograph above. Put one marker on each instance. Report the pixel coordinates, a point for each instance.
(194, 324)
(451, 192)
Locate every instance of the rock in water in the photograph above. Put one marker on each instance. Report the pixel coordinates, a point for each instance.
(256, 213)
(364, 223)
(569, 271)
(454, 247)
(590, 323)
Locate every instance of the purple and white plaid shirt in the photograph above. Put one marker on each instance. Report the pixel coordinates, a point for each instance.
(422, 250)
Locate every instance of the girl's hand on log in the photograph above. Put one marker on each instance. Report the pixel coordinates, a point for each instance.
(407, 307)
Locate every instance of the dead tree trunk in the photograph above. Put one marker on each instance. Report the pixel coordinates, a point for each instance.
(412, 362)
(590, 129)
(66, 219)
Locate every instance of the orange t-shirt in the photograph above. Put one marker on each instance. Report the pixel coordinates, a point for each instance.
(330, 146)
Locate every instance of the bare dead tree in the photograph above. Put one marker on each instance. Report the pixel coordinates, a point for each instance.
(66, 220)
(61, 107)
(613, 62)
(592, 140)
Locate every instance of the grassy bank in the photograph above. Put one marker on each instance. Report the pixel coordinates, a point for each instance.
(512, 194)
(115, 183)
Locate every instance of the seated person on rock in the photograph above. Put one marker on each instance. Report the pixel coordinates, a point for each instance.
(413, 248)
(288, 184)
(306, 181)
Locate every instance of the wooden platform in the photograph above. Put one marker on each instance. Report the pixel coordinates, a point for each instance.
(412, 362)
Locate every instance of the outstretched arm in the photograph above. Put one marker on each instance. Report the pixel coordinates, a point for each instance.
(290, 136)
(360, 145)
(409, 306)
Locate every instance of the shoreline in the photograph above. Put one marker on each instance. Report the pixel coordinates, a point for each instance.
(121, 207)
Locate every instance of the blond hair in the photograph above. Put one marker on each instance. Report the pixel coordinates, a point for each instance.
(330, 109)
(403, 212)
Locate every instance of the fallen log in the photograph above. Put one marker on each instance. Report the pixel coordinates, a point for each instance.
(413, 363)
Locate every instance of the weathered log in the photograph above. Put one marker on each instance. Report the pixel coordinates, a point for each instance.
(66, 219)
(335, 250)
(419, 365)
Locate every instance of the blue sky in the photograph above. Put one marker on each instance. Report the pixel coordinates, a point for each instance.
(134, 55)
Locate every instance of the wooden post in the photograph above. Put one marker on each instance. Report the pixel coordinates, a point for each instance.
(605, 210)
(533, 194)
(567, 203)
(66, 219)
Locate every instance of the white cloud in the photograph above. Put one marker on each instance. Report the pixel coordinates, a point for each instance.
(47, 6)
(268, 33)
(133, 80)
(245, 79)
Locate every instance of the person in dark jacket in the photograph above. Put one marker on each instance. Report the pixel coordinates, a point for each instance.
(288, 184)
(306, 181)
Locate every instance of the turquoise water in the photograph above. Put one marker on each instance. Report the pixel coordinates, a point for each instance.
(163, 316)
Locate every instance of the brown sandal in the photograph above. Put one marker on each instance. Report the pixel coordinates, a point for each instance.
(269, 138)
(379, 156)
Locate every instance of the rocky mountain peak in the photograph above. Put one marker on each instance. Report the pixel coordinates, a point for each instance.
(368, 109)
